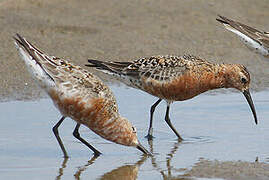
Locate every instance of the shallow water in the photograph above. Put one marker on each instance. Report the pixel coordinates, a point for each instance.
(216, 128)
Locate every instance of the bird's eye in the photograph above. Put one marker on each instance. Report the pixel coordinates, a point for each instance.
(243, 80)
(134, 129)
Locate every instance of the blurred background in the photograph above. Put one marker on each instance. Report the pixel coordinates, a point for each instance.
(124, 31)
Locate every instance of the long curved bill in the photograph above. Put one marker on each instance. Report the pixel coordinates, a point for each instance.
(141, 148)
(250, 102)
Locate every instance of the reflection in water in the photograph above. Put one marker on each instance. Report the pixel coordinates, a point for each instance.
(61, 169)
(129, 172)
(83, 168)
(120, 173)
(153, 159)
(169, 157)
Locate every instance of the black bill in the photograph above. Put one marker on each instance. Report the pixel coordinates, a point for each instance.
(250, 102)
(141, 148)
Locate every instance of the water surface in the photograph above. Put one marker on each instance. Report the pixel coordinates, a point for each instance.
(219, 133)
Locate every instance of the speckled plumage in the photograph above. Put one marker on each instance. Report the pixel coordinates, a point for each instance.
(254, 39)
(78, 94)
(176, 78)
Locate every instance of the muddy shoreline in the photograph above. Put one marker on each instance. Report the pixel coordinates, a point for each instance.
(125, 31)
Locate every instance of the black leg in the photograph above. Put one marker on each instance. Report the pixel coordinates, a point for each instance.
(56, 133)
(152, 109)
(77, 135)
(167, 119)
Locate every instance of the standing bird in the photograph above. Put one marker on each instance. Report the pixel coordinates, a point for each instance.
(254, 39)
(79, 95)
(177, 78)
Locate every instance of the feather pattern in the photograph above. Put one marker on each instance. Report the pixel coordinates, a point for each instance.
(254, 39)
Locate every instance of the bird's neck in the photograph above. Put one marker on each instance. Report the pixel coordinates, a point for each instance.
(218, 77)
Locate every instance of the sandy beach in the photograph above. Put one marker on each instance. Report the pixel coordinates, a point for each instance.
(124, 31)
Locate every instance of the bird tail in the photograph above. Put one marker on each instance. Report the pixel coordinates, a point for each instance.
(114, 68)
(34, 60)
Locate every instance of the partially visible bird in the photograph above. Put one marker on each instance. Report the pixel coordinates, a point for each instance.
(80, 95)
(255, 40)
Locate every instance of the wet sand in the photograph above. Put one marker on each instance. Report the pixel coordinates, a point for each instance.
(126, 30)
(229, 170)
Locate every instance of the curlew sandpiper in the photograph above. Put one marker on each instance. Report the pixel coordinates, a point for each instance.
(177, 78)
(80, 95)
